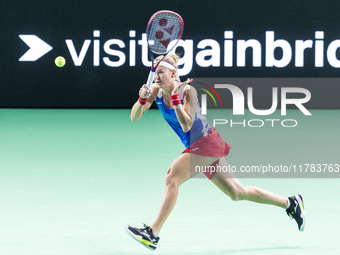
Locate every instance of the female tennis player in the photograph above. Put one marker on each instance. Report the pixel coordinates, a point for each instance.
(205, 147)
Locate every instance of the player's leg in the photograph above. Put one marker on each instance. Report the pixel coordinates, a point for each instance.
(180, 171)
(230, 185)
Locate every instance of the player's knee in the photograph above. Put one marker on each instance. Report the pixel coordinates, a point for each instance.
(234, 196)
(170, 179)
(170, 182)
(238, 194)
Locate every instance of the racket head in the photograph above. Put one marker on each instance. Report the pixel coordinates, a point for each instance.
(164, 27)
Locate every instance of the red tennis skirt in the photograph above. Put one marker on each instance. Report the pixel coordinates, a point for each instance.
(211, 145)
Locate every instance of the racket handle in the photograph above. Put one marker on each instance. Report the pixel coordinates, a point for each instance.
(150, 78)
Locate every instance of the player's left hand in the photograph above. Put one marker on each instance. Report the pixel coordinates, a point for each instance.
(180, 87)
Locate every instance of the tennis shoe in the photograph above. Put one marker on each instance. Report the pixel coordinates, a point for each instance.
(296, 211)
(145, 236)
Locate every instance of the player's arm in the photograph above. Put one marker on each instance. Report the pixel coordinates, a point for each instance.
(186, 113)
(146, 94)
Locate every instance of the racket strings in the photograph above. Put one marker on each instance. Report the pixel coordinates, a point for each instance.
(162, 30)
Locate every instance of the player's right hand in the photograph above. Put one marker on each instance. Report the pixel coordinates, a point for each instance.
(145, 91)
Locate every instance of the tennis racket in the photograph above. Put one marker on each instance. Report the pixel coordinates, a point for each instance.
(164, 28)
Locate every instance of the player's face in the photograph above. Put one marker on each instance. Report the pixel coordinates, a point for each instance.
(164, 76)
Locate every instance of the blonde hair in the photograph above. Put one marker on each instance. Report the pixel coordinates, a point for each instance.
(172, 59)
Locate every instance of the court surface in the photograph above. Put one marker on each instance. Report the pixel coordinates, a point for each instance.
(70, 180)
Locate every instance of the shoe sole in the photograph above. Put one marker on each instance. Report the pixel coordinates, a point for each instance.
(136, 237)
(299, 198)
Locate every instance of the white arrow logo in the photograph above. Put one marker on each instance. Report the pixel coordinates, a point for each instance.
(38, 48)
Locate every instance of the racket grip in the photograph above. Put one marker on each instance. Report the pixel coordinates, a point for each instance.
(150, 78)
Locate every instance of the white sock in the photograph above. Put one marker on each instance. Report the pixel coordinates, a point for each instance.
(288, 204)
